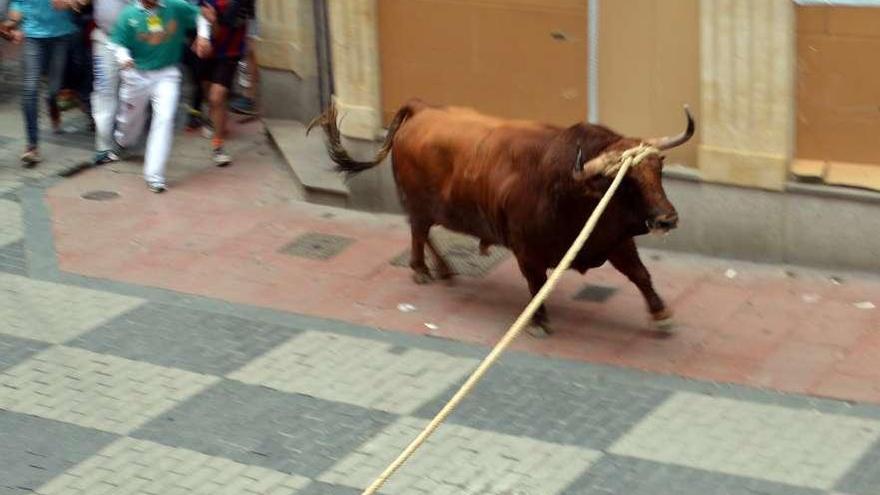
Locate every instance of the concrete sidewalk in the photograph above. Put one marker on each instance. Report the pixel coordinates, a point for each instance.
(238, 234)
(226, 338)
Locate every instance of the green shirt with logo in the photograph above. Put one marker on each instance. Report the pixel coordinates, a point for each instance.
(155, 37)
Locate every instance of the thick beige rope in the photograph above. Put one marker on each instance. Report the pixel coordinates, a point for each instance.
(629, 158)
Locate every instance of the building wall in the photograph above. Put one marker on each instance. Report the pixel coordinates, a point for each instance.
(528, 59)
(838, 91)
(287, 55)
(511, 58)
(649, 67)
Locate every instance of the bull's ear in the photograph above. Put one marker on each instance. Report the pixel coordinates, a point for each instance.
(597, 166)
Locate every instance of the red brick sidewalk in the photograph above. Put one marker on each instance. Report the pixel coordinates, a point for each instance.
(218, 233)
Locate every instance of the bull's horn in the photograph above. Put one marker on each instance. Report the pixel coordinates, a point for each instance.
(578, 161)
(668, 142)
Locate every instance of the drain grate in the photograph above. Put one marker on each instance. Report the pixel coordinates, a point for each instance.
(100, 195)
(462, 252)
(317, 246)
(595, 293)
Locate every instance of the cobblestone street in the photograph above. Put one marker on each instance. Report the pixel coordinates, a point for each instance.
(186, 344)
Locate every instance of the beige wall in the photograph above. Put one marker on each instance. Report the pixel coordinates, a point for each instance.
(649, 67)
(838, 97)
(512, 58)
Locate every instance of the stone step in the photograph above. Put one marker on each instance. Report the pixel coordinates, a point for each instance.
(309, 162)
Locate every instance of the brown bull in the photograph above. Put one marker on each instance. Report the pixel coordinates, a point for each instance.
(520, 184)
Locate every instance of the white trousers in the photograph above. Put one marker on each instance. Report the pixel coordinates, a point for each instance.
(161, 89)
(105, 93)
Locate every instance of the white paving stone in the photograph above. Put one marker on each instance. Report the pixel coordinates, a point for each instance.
(10, 221)
(139, 467)
(96, 390)
(356, 371)
(774, 443)
(458, 460)
(53, 312)
(7, 183)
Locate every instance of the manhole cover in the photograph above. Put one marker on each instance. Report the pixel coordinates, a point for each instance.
(594, 293)
(462, 252)
(317, 246)
(100, 195)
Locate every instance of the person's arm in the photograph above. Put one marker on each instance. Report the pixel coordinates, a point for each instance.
(78, 5)
(12, 25)
(120, 40)
(74, 5)
(192, 16)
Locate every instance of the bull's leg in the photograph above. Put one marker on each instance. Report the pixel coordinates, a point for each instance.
(443, 269)
(625, 258)
(536, 277)
(421, 274)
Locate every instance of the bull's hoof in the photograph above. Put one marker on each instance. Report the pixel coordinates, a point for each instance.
(484, 248)
(422, 278)
(447, 275)
(539, 331)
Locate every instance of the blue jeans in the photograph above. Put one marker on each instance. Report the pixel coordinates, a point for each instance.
(40, 54)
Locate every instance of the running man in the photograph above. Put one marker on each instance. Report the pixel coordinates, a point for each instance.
(228, 39)
(105, 90)
(149, 37)
(45, 27)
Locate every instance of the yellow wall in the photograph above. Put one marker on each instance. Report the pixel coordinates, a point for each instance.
(511, 58)
(649, 67)
(838, 102)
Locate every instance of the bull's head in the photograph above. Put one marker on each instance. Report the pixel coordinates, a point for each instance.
(656, 211)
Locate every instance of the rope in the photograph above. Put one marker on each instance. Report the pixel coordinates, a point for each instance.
(629, 158)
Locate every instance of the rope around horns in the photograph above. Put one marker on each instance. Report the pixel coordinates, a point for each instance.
(636, 154)
(629, 158)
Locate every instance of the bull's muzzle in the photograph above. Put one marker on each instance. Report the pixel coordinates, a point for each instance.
(663, 222)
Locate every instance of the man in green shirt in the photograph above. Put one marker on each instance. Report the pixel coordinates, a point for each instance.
(150, 35)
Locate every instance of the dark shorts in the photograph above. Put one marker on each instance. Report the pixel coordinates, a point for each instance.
(219, 70)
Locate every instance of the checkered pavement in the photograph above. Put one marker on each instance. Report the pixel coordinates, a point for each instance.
(135, 391)
(108, 393)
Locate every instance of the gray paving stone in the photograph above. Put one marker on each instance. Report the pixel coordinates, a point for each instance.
(34, 450)
(864, 478)
(185, 338)
(14, 350)
(129, 466)
(363, 372)
(95, 390)
(289, 433)
(615, 475)
(13, 258)
(55, 313)
(319, 488)
(779, 444)
(458, 460)
(565, 406)
(9, 195)
(10, 222)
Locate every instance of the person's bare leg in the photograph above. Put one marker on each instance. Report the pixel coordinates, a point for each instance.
(217, 96)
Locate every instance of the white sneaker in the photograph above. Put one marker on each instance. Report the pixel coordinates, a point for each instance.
(157, 187)
(221, 157)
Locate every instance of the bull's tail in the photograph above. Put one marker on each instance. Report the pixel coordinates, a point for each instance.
(344, 162)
